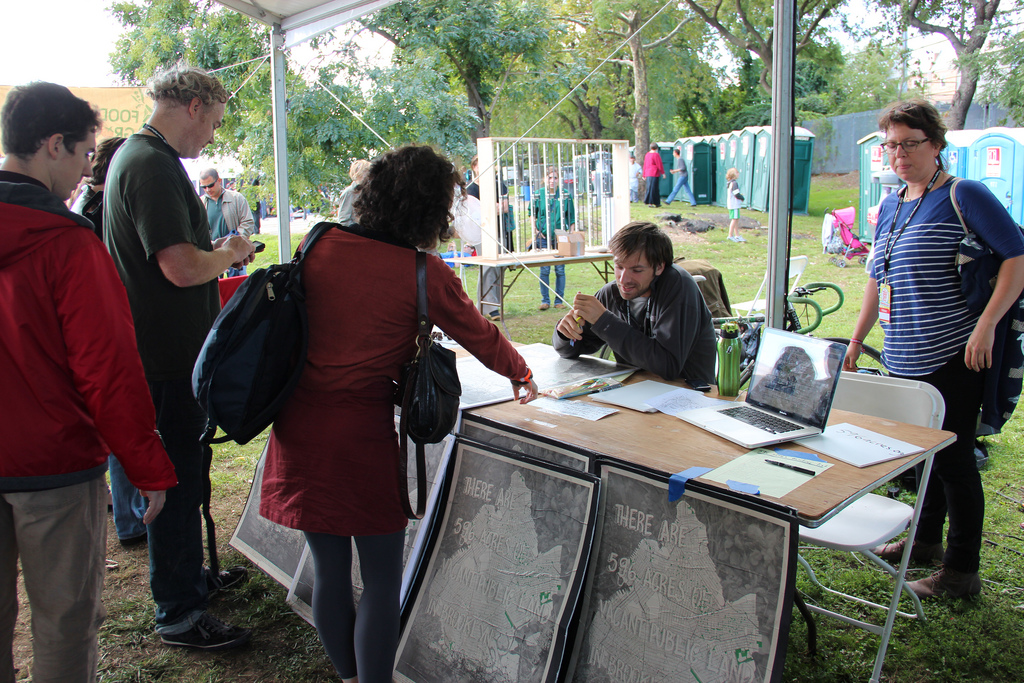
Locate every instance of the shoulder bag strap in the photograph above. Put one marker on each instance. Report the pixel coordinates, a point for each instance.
(956, 205)
(422, 342)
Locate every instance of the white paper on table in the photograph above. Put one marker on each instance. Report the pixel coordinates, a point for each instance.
(772, 480)
(634, 396)
(675, 402)
(858, 446)
(581, 409)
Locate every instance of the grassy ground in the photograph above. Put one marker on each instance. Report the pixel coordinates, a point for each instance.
(977, 640)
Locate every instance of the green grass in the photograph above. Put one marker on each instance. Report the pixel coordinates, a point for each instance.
(977, 640)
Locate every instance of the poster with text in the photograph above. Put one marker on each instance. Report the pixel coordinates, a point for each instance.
(503, 576)
(691, 591)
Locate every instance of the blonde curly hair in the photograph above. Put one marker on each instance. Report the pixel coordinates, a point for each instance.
(182, 83)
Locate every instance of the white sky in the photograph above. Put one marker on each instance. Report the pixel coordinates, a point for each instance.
(63, 41)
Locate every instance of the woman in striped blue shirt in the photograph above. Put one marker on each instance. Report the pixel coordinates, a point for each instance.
(914, 291)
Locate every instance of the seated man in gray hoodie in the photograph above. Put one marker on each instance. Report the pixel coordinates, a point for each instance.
(653, 316)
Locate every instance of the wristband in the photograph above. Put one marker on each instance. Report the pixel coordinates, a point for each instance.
(857, 341)
(526, 378)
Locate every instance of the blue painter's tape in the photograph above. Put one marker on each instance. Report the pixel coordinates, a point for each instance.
(797, 454)
(677, 482)
(743, 488)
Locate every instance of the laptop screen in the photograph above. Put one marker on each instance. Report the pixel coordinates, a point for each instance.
(796, 375)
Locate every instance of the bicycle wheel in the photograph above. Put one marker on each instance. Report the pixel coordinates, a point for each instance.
(870, 360)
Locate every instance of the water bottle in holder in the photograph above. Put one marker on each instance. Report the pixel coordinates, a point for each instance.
(729, 350)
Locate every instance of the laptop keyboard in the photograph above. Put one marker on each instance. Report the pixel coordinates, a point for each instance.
(769, 423)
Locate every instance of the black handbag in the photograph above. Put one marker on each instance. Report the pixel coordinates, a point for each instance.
(976, 263)
(429, 392)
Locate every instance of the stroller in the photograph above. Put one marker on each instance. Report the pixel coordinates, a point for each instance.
(837, 238)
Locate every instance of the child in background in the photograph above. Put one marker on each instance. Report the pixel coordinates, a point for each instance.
(734, 200)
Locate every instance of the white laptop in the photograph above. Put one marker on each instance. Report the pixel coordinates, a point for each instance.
(791, 390)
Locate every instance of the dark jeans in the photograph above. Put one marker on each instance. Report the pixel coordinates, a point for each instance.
(176, 536)
(955, 484)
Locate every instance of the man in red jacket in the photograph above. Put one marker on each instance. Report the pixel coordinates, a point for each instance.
(73, 387)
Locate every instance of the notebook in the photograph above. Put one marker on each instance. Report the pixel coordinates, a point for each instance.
(634, 396)
(791, 391)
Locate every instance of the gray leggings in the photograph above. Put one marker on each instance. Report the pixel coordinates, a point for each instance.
(363, 642)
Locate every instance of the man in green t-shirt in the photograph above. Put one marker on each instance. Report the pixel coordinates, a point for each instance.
(551, 211)
(159, 237)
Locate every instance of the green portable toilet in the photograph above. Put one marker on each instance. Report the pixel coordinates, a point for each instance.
(720, 144)
(996, 158)
(803, 155)
(745, 161)
(665, 150)
(873, 160)
(698, 157)
(958, 151)
(761, 175)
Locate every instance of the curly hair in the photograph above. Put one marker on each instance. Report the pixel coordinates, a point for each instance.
(182, 83)
(101, 161)
(408, 194)
(33, 113)
(644, 238)
(732, 174)
(916, 114)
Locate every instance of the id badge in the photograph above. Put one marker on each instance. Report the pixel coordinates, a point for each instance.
(884, 302)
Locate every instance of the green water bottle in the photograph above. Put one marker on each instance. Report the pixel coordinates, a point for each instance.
(729, 349)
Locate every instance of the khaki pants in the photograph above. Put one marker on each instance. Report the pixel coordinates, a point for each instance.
(60, 535)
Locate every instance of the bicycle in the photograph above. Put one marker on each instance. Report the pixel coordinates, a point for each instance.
(804, 314)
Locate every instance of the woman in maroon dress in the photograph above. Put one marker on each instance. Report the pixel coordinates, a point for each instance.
(332, 462)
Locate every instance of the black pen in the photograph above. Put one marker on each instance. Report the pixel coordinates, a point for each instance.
(801, 470)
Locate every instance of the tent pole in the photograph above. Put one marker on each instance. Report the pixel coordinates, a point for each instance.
(780, 192)
(277, 91)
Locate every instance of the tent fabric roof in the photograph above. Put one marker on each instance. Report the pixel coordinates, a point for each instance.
(301, 20)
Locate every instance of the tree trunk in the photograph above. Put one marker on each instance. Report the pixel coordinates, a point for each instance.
(592, 115)
(957, 115)
(483, 129)
(641, 100)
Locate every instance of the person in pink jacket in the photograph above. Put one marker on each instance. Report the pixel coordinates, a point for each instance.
(654, 171)
(73, 388)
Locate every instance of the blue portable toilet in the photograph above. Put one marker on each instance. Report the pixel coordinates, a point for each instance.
(996, 157)
(873, 160)
(958, 151)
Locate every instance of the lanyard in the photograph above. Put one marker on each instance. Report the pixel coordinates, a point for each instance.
(160, 135)
(890, 242)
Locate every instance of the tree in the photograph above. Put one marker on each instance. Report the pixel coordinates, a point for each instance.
(321, 144)
(1004, 72)
(625, 21)
(966, 25)
(747, 26)
(482, 42)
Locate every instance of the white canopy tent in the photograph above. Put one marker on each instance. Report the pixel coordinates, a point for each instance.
(293, 21)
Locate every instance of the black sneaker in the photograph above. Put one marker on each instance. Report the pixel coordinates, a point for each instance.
(226, 580)
(209, 634)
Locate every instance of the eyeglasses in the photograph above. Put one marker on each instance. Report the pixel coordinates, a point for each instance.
(908, 145)
(207, 187)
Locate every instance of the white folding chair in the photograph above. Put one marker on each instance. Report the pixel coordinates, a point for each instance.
(872, 520)
(797, 266)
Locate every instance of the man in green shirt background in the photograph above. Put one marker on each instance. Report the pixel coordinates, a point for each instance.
(551, 211)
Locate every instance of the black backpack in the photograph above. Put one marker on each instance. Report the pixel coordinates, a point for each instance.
(254, 355)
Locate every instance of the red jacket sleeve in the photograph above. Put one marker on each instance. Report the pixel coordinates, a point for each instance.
(453, 311)
(92, 308)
